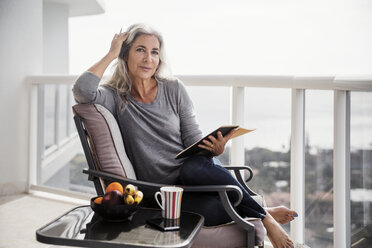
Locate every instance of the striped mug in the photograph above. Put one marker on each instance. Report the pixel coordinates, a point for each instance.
(170, 201)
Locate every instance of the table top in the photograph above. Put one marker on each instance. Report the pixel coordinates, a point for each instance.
(82, 227)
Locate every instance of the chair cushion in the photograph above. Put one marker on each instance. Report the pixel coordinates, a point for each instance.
(105, 139)
(229, 235)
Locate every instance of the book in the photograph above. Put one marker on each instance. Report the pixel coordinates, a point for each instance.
(194, 148)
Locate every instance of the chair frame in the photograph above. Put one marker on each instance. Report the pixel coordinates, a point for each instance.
(97, 176)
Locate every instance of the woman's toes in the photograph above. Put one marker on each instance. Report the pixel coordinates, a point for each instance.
(290, 243)
(282, 214)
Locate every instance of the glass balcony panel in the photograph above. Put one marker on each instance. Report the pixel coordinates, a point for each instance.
(319, 168)
(60, 174)
(212, 108)
(62, 118)
(49, 115)
(361, 169)
(267, 148)
(72, 128)
(70, 176)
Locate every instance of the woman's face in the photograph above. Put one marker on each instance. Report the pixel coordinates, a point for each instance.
(143, 57)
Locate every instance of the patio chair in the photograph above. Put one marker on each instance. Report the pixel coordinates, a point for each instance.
(105, 153)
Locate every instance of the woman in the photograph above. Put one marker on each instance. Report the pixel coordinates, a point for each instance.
(156, 118)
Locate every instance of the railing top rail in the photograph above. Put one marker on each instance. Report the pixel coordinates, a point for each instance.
(321, 82)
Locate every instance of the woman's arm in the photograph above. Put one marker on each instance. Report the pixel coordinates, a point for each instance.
(190, 131)
(86, 87)
(100, 67)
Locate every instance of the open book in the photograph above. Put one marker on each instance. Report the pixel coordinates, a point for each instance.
(194, 148)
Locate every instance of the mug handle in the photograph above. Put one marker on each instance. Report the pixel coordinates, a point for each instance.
(157, 200)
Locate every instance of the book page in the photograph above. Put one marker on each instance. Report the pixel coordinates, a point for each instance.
(241, 131)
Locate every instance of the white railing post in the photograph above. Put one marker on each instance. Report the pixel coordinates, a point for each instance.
(237, 155)
(341, 169)
(297, 176)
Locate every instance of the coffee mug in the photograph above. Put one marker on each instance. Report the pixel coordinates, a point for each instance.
(170, 201)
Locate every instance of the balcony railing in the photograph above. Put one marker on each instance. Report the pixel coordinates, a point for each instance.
(46, 159)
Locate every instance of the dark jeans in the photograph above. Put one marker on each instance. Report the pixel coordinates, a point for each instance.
(200, 170)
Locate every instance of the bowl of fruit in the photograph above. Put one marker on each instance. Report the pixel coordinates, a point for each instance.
(118, 203)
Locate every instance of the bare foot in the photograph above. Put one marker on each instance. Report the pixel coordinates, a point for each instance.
(278, 237)
(282, 214)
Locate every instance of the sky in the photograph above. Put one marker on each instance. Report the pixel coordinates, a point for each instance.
(239, 36)
(246, 37)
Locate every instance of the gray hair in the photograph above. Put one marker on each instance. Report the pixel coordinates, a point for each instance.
(120, 80)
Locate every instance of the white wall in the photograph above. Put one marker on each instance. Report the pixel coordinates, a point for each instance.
(21, 55)
(55, 38)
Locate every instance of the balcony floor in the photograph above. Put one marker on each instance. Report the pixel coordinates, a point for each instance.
(21, 215)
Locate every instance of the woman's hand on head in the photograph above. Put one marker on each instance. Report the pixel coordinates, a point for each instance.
(100, 67)
(116, 44)
(217, 145)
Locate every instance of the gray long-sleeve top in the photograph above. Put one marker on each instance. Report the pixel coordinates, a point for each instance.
(153, 133)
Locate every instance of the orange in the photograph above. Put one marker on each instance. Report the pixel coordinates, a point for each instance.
(98, 200)
(115, 186)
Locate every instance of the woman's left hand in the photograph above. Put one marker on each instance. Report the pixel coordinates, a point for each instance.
(217, 146)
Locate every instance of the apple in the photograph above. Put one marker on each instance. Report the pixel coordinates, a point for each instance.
(112, 198)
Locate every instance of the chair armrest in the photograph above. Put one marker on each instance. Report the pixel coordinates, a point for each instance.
(237, 168)
(113, 177)
(216, 188)
(209, 188)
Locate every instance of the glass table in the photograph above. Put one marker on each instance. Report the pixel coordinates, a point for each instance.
(82, 227)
